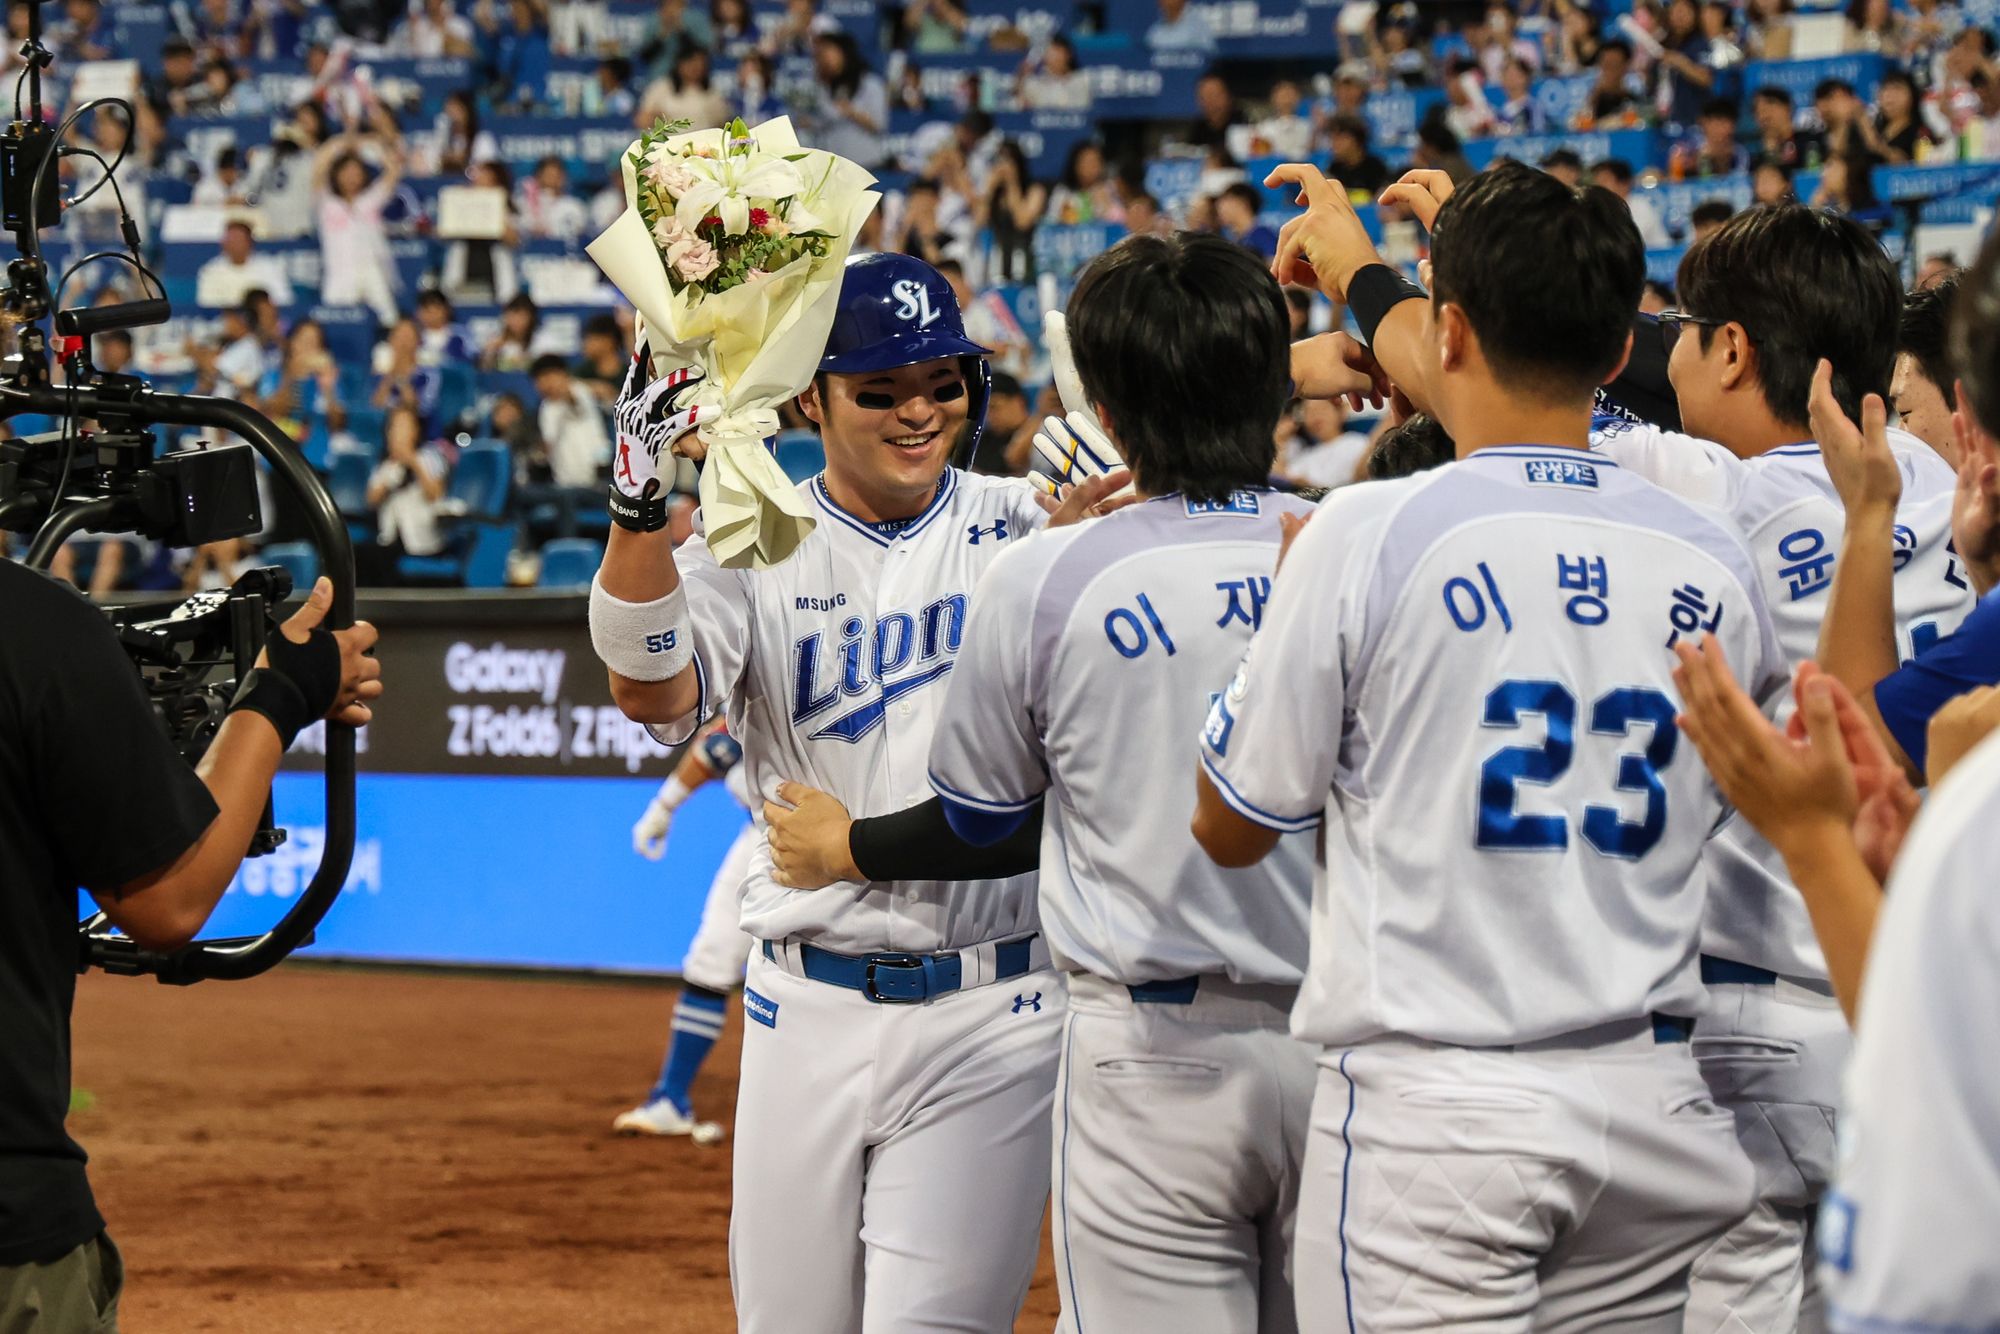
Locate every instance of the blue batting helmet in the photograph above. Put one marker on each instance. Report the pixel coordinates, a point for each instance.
(896, 310)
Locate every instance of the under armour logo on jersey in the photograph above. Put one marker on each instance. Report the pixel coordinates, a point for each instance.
(913, 302)
(1033, 1002)
(998, 528)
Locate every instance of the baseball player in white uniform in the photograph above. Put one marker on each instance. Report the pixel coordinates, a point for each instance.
(1907, 1237)
(1465, 678)
(1091, 656)
(892, 1131)
(1773, 1041)
(1769, 295)
(716, 956)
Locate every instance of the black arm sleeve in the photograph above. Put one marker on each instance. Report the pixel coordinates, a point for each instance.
(918, 844)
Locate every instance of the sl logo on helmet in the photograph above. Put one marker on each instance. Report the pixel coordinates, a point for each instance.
(914, 303)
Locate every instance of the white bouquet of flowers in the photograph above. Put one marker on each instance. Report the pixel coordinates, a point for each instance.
(731, 248)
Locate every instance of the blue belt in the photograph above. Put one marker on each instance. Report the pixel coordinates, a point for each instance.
(1715, 972)
(904, 979)
(1172, 991)
(1672, 1028)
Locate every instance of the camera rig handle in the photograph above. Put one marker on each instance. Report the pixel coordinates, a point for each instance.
(238, 957)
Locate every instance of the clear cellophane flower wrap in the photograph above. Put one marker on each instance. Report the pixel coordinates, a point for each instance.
(709, 209)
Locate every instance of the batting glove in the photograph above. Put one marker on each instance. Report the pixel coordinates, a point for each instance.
(1072, 449)
(649, 836)
(650, 423)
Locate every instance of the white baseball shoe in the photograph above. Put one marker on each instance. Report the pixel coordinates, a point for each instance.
(661, 1117)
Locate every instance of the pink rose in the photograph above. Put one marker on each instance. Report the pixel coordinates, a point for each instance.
(668, 232)
(692, 258)
(666, 174)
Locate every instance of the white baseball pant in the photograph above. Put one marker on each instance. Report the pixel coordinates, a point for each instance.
(892, 1161)
(1772, 1054)
(1180, 1132)
(720, 948)
(1555, 1186)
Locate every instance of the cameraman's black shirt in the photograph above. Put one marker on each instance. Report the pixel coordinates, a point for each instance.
(91, 794)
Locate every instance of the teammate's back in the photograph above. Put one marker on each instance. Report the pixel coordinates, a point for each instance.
(1487, 660)
(1090, 657)
(1121, 631)
(1467, 676)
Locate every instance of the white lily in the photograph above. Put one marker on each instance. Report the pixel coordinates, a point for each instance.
(724, 187)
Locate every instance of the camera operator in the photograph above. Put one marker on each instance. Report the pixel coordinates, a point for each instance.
(92, 794)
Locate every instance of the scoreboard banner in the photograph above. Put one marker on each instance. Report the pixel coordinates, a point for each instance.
(497, 792)
(472, 692)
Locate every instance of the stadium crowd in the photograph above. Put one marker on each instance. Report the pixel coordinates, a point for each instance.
(350, 245)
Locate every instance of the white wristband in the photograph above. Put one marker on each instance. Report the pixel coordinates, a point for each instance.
(641, 641)
(672, 793)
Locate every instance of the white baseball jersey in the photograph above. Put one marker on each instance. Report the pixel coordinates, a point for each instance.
(1469, 674)
(1092, 656)
(832, 668)
(1785, 506)
(1908, 1239)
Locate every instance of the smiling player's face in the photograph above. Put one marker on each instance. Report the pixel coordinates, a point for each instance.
(889, 434)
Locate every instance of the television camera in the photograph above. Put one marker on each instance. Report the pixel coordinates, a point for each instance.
(104, 472)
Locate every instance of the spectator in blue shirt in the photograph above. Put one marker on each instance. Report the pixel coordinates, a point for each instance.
(1236, 211)
(1180, 29)
(441, 338)
(404, 381)
(1518, 112)
(521, 59)
(1686, 80)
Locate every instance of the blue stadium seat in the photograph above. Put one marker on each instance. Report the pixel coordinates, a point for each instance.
(357, 384)
(169, 190)
(519, 383)
(365, 424)
(486, 556)
(458, 388)
(350, 332)
(317, 447)
(570, 562)
(297, 559)
(447, 568)
(180, 290)
(800, 454)
(479, 479)
(347, 482)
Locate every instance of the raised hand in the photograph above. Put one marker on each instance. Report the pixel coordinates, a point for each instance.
(1859, 461)
(1975, 517)
(1423, 192)
(1325, 246)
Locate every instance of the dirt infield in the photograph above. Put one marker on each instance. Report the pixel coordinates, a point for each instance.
(335, 1150)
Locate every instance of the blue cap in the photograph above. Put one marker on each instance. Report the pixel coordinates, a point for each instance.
(895, 310)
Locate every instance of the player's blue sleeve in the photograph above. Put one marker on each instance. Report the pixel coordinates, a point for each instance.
(977, 827)
(1968, 657)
